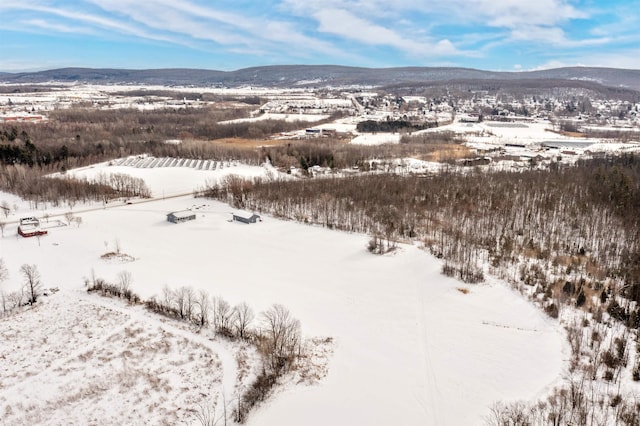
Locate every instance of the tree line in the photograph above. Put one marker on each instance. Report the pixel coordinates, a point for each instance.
(27, 294)
(31, 185)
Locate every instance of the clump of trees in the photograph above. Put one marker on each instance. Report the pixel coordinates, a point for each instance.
(30, 184)
(121, 289)
(576, 403)
(393, 126)
(275, 333)
(28, 294)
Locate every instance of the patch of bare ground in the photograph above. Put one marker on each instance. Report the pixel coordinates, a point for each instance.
(569, 134)
(313, 365)
(252, 143)
(447, 152)
(113, 257)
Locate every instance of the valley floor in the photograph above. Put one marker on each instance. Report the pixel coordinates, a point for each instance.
(408, 346)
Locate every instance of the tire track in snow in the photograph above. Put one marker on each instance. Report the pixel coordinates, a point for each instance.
(429, 377)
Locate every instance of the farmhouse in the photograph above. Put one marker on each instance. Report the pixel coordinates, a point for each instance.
(181, 216)
(30, 227)
(245, 217)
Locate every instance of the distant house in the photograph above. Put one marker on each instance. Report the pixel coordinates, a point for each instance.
(30, 227)
(245, 217)
(181, 216)
(469, 118)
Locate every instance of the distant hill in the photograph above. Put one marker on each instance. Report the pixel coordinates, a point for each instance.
(320, 75)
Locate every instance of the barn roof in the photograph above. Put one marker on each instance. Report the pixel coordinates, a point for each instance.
(244, 214)
(182, 214)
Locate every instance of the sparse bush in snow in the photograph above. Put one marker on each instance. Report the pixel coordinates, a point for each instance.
(4, 272)
(120, 290)
(468, 273)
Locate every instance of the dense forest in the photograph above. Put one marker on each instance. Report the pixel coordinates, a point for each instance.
(79, 136)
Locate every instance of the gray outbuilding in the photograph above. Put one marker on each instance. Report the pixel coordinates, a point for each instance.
(181, 216)
(245, 217)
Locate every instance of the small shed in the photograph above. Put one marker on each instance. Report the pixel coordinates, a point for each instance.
(245, 217)
(181, 216)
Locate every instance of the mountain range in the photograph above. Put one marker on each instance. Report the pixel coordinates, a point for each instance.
(319, 76)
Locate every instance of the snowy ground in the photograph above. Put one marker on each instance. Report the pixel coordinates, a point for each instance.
(409, 347)
(175, 176)
(81, 359)
(276, 116)
(376, 139)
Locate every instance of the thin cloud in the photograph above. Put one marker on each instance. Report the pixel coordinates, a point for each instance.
(228, 29)
(87, 19)
(346, 25)
(54, 26)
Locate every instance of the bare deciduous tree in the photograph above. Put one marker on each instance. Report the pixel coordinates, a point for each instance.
(242, 318)
(183, 301)
(203, 305)
(124, 280)
(32, 282)
(282, 333)
(167, 296)
(69, 217)
(222, 315)
(11, 300)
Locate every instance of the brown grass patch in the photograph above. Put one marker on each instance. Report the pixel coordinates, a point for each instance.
(448, 152)
(569, 134)
(249, 143)
(594, 270)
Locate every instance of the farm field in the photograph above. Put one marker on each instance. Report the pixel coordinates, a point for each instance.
(408, 346)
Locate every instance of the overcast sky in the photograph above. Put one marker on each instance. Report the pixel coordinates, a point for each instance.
(507, 35)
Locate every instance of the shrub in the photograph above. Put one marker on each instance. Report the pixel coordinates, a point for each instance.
(552, 310)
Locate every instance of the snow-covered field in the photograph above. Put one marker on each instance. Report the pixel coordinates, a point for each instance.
(79, 359)
(408, 346)
(174, 176)
(276, 116)
(376, 139)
